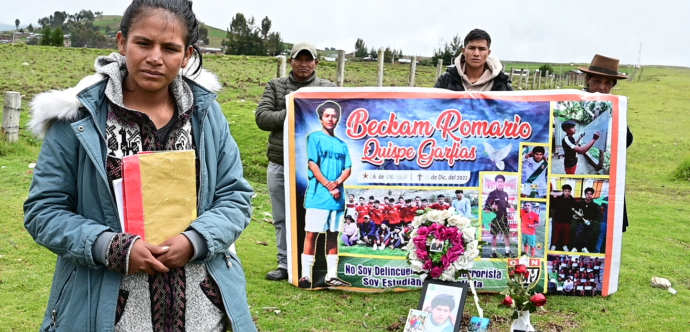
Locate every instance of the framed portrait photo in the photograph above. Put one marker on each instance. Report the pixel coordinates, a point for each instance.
(445, 302)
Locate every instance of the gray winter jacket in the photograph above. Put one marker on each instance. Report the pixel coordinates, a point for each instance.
(270, 114)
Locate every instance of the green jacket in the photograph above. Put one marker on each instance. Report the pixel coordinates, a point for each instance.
(270, 114)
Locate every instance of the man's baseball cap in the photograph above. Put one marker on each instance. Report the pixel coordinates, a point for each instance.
(301, 47)
(366, 217)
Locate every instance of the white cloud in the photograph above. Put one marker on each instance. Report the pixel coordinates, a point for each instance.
(527, 30)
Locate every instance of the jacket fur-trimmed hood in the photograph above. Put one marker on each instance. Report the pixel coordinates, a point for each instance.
(63, 105)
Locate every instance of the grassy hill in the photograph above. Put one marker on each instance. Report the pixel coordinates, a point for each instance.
(657, 244)
(215, 35)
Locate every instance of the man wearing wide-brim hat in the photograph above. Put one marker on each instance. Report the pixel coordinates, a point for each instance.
(601, 76)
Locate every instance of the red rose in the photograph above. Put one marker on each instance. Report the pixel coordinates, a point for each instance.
(538, 299)
(436, 272)
(521, 269)
(508, 301)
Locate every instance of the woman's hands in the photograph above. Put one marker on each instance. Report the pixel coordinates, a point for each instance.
(146, 257)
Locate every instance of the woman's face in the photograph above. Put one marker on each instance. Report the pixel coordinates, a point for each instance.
(154, 50)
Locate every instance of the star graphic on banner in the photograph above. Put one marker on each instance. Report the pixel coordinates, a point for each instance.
(366, 176)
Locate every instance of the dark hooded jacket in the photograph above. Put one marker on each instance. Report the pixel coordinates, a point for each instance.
(270, 114)
(452, 80)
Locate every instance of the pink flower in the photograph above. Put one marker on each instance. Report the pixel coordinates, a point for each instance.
(436, 272)
(446, 260)
(423, 232)
(457, 239)
(450, 233)
(421, 246)
(422, 255)
(428, 265)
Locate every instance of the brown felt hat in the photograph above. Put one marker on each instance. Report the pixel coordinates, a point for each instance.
(604, 66)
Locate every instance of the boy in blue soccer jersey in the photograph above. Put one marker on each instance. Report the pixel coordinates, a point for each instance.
(329, 167)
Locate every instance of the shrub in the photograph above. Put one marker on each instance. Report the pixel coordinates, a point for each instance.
(683, 170)
(544, 68)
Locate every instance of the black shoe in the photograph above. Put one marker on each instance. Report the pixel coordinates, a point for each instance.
(337, 282)
(494, 254)
(277, 274)
(509, 254)
(304, 283)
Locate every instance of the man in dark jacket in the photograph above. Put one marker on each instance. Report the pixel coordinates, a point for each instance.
(270, 116)
(474, 69)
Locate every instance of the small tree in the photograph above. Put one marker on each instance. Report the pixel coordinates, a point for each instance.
(57, 39)
(544, 68)
(30, 28)
(387, 55)
(16, 23)
(46, 38)
(265, 27)
(274, 44)
(360, 48)
(203, 33)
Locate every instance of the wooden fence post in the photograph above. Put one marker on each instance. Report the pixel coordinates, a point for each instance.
(413, 70)
(534, 79)
(379, 78)
(511, 74)
(526, 74)
(340, 68)
(281, 66)
(10, 116)
(520, 79)
(439, 68)
(539, 83)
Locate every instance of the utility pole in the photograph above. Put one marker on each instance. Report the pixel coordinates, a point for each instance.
(639, 56)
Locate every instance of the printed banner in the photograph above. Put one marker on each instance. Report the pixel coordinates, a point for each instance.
(540, 173)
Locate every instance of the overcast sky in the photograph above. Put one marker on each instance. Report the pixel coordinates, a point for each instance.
(534, 30)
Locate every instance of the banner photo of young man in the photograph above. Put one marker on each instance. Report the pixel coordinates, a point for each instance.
(359, 162)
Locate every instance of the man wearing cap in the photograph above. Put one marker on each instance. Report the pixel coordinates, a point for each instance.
(474, 69)
(601, 76)
(270, 116)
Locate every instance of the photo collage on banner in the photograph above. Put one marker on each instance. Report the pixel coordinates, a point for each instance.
(362, 163)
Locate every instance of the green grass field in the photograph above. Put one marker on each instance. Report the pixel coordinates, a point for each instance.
(657, 244)
(215, 35)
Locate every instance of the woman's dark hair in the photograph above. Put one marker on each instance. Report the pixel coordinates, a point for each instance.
(182, 9)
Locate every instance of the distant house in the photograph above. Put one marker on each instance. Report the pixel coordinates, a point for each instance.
(211, 50)
(331, 59)
(575, 74)
(405, 61)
